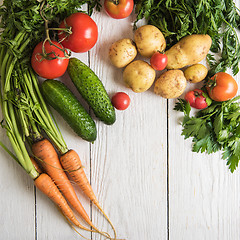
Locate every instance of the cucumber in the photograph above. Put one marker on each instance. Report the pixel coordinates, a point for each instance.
(92, 90)
(67, 105)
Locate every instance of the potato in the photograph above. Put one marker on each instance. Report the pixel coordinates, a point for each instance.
(139, 76)
(171, 84)
(149, 39)
(188, 51)
(195, 73)
(122, 52)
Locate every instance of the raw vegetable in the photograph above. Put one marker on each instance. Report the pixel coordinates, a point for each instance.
(149, 40)
(46, 185)
(196, 73)
(222, 87)
(177, 19)
(48, 60)
(44, 151)
(122, 52)
(121, 100)
(118, 9)
(36, 166)
(63, 100)
(139, 76)
(83, 32)
(189, 50)
(92, 90)
(159, 61)
(170, 84)
(72, 164)
(213, 129)
(197, 99)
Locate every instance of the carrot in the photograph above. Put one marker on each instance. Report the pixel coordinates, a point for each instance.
(36, 166)
(45, 184)
(45, 151)
(72, 164)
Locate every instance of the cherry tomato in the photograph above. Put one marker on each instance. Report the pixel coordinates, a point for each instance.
(222, 87)
(159, 61)
(84, 32)
(118, 9)
(196, 99)
(54, 64)
(120, 100)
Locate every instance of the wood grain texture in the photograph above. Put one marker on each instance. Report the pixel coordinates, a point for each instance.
(17, 215)
(129, 158)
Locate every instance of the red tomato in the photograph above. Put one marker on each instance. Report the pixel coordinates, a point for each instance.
(84, 33)
(118, 9)
(196, 99)
(121, 101)
(159, 61)
(53, 65)
(222, 87)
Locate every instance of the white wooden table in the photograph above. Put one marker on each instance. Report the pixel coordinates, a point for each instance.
(142, 170)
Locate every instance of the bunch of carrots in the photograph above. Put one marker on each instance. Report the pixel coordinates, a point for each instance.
(27, 120)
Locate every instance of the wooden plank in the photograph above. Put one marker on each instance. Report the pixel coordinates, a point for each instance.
(17, 201)
(128, 160)
(203, 200)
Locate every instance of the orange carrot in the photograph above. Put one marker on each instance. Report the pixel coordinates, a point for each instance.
(36, 165)
(45, 152)
(72, 164)
(45, 184)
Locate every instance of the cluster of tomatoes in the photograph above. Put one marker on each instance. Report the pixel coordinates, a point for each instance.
(77, 33)
(221, 87)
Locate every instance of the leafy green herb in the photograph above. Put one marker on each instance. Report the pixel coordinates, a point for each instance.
(214, 128)
(218, 18)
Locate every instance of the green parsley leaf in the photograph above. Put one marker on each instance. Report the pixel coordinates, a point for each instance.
(214, 128)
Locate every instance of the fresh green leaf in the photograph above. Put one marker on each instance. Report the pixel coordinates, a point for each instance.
(205, 144)
(218, 123)
(195, 127)
(183, 106)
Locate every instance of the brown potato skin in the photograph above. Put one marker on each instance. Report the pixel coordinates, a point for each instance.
(189, 50)
(195, 73)
(170, 84)
(122, 52)
(139, 76)
(149, 39)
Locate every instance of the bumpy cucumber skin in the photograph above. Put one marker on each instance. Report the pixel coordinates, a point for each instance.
(65, 103)
(92, 90)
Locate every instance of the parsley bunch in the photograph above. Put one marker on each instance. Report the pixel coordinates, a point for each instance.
(214, 128)
(218, 18)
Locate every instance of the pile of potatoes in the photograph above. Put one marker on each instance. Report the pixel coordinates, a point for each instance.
(140, 76)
